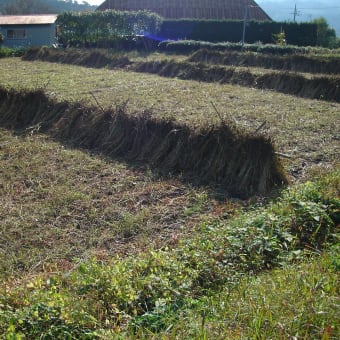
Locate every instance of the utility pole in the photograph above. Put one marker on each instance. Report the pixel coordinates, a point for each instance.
(295, 13)
(244, 24)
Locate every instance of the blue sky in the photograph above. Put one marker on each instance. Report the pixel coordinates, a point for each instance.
(307, 10)
(94, 2)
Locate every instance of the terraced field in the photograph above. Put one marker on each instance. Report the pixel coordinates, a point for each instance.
(96, 246)
(306, 130)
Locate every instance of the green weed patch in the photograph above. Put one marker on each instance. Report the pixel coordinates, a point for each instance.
(154, 290)
(296, 300)
(243, 164)
(6, 52)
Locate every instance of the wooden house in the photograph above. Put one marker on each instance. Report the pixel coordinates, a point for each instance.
(28, 30)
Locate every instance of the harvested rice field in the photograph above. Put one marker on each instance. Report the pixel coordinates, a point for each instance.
(108, 230)
(305, 130)
(58, 204)
(205, 67)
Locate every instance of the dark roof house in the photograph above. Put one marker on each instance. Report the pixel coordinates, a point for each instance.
(192, 9)
(28, 30)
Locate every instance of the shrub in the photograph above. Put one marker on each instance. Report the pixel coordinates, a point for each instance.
(302, 34)
(189, 46)
(94, 29)
(6, 52)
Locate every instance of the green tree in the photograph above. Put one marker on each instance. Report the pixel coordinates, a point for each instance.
(326, 36)
(25, 7)
(43, 6)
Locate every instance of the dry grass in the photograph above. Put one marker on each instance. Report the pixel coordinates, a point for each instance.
(57, 204)
(320, 87)
(60, 206)
(295, 63)
(240, 163)
(307, 130)
(302, 85)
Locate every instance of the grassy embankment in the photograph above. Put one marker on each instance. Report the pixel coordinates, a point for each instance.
(295, 63)
(67, 213)
(206, 66)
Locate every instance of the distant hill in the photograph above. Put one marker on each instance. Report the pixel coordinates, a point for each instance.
(43, 6)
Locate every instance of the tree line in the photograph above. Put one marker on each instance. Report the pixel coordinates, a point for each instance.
(12, 7)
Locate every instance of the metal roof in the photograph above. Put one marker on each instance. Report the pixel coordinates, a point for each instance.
(36, 19)
(195, 9)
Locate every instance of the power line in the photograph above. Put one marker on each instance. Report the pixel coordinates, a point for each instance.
(286, 8)
(319, 7)
(298, 13)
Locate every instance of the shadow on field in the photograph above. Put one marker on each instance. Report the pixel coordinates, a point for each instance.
(241, 164)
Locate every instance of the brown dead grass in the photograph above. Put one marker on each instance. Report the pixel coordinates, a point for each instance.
(243, 164)
(306, 130)
(321, 87)
(294, 63)
(59, 204)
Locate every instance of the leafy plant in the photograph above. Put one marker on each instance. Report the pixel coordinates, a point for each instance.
(148, 291)
(42, 321)
(6, 52)
(280, 38)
